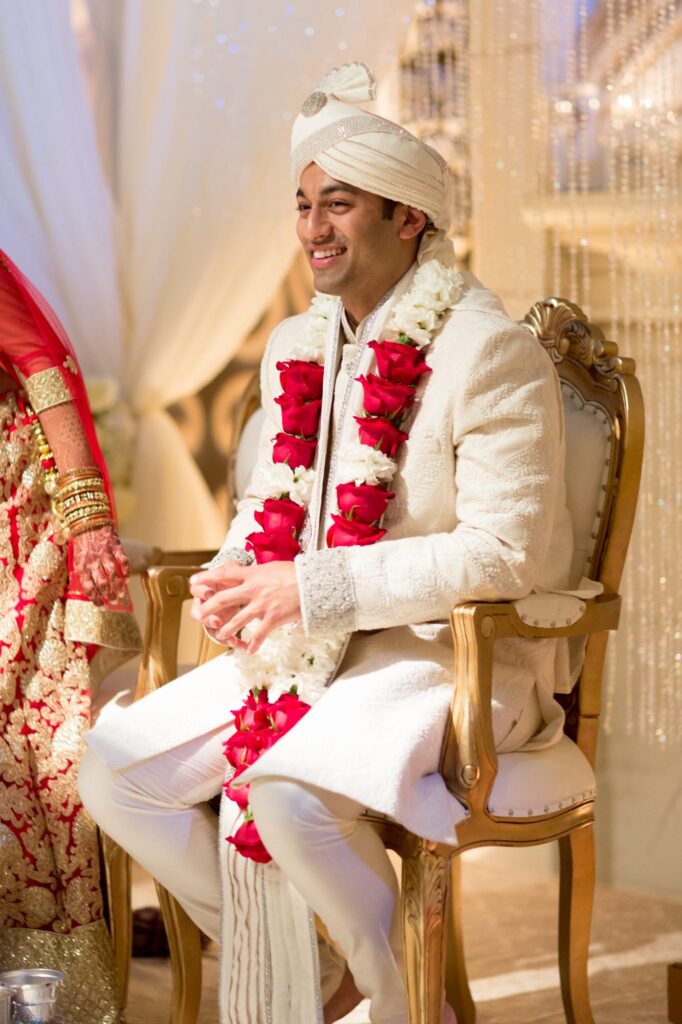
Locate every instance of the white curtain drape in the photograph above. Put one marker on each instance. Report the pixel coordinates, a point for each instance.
(56, 211)
(164, 248)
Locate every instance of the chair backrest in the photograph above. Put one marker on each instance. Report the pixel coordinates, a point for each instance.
(604, 416)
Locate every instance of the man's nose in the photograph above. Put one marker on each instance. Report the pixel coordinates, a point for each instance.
(317, 224)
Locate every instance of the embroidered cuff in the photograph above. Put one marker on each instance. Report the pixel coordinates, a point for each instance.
(326, 590)
(230, 555)
(89, 624)
(46, 389)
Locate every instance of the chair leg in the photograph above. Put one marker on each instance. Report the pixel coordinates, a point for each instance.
(424, 895)
(184, 940)
(117, 879)
(576, 898)
(457, 991)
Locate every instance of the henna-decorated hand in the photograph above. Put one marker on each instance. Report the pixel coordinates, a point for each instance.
(101, 565)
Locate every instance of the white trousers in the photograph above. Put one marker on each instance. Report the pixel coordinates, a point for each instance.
(156, 811)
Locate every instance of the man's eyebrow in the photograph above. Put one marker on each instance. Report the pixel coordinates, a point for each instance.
(328, 189)
(339, 187)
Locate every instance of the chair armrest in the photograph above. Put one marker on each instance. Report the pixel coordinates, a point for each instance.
(468, 757)
(195, 559)
(166, 588)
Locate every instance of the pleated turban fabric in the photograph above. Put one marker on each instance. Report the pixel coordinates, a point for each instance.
(362, 149)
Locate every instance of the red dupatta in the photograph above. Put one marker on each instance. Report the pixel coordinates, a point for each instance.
(33, 340)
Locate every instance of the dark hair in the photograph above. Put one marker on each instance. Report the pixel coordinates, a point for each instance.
(389, 208)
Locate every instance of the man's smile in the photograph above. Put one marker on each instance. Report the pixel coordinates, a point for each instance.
(326, 256)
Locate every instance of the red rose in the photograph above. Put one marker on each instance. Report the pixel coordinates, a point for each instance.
(253, 714)
(380, 433)
(299, 417)
(295, 451)
(301, 378)
(403, 364)
(280, 514)
(383, 398)
(269, 737)
(286, 711)
(240, 794)
(363, 503)
(346, 532)
(273, 547)
(249, 843)
(243, 749)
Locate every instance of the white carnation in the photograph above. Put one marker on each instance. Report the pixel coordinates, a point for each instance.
(364, 465)
(301, 488)
(289, 658)
(273, 480)
(324, 305)
(437, 286)
(419, 313)
(311, 350)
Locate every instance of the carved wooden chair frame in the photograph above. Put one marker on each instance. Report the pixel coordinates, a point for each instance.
(434, 958)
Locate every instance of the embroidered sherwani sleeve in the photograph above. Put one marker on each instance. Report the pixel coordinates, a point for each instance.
(243, 523)
(508, 439)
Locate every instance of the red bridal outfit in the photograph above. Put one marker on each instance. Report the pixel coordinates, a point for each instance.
(59, 633)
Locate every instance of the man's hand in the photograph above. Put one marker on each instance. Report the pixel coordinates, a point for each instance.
(229, 597)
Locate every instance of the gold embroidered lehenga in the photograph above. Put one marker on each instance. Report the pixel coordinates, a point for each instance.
(52, 640)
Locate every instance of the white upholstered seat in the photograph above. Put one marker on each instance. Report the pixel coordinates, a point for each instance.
(541, 782)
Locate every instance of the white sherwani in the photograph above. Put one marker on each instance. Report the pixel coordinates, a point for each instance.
(479, 513)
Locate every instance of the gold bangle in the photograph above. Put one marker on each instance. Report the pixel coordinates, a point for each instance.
(95, 523)
(78, 474)
(81, 485)
(86, 513)
(89, 520)
(99, 506)
(67, 499)
(74, 499)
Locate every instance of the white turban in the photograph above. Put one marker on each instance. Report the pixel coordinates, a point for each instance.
(371, 153)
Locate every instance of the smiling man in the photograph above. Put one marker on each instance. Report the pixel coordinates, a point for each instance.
(411, 458)
(349, 237)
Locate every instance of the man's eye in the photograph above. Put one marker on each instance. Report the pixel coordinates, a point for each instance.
(339, 202)
(302, 208)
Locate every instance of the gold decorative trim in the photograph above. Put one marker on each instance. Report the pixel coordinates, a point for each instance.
(425, 880)
(566, 333)
(90, 992)
(46, 389)
(85, 622)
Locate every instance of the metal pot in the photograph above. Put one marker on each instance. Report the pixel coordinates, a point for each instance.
(5, 1004)
(34, 994)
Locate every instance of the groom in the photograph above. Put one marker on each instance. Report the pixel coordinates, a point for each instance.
(412, 458)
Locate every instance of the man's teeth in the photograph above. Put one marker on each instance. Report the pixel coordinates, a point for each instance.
(324, 254)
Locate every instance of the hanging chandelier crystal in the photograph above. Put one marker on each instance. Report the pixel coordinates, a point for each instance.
(434, 85)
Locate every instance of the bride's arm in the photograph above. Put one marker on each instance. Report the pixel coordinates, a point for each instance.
(98, 557)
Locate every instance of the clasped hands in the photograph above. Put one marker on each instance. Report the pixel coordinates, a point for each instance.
(229, 597)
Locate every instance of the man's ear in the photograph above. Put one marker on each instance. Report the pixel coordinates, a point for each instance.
(413, 222)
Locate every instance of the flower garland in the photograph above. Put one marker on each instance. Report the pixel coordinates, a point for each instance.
(290, 670)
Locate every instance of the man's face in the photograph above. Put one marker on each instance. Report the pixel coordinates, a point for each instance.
(354, 251)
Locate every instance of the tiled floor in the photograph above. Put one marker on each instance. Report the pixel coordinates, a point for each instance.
(510, 925)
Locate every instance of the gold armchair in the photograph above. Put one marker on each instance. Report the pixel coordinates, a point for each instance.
(523, 799)
(516, 799)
